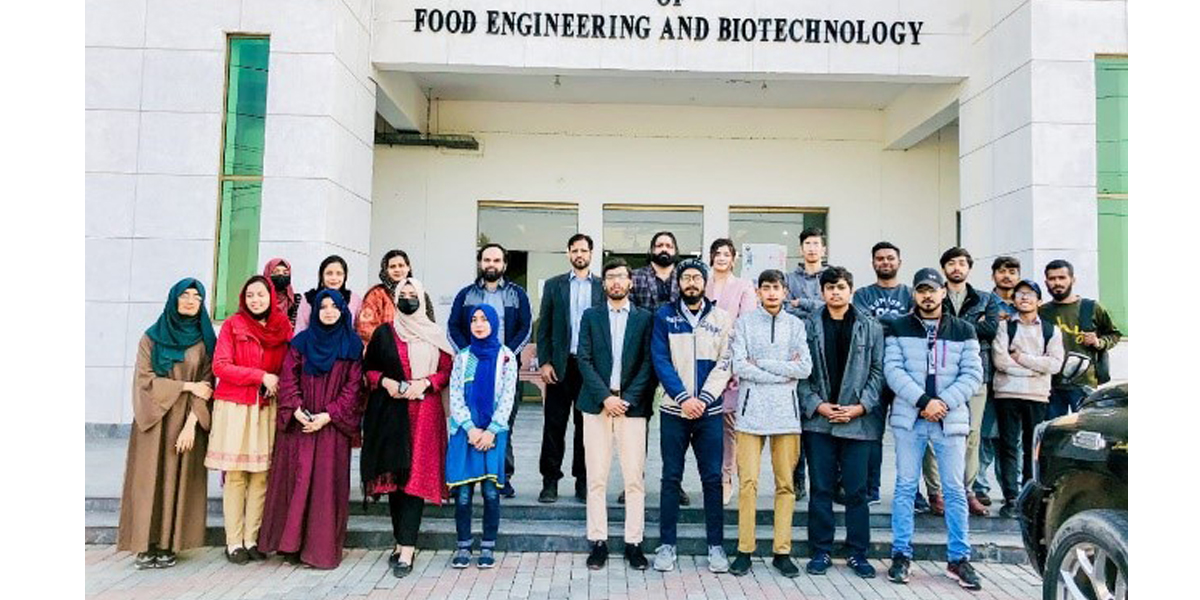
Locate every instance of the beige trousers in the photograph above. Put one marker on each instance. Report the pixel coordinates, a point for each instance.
(933, 483)
(243, 499)
(601, 433)
(785, 452)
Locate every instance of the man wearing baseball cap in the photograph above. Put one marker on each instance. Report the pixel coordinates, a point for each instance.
(931, 361)
(1027, 352)
(689, 349)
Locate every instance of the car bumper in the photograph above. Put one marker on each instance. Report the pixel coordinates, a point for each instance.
(1031, 504)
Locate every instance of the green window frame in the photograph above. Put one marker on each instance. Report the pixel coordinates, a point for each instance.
(1112, 185)
(240, 178)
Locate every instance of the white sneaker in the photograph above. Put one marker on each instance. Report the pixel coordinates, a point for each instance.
(718, 561)
(664, 559)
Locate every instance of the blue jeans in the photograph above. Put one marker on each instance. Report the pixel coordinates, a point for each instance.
(1062, 399)
(706, 436)
(950, 451)
(463, 495)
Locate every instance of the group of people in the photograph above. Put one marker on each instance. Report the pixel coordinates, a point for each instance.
(803, 362)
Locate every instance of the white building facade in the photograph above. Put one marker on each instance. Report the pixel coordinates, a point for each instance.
(223, 133)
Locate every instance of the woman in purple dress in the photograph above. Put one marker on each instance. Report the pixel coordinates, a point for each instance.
(308, 492)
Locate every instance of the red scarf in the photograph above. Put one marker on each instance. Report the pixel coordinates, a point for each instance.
(273, 336)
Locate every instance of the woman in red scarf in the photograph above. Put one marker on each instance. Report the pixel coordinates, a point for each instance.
(247, 362)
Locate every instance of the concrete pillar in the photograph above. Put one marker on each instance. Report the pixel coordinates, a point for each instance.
(154, 100)
(1028, 133)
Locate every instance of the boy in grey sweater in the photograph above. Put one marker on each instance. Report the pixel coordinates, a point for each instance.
(770, 356)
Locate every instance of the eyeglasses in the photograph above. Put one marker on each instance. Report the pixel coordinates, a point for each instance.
(1026, 295)
(691, 278)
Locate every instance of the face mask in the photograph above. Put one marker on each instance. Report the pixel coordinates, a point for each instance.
(663, 259)
(408, 306)
(281, 282)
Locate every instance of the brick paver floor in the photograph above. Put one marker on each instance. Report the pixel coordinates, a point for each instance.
(204, 573)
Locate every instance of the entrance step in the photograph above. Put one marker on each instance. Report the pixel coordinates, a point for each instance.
(519, 533)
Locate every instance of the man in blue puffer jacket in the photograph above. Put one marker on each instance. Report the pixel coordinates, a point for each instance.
(931, 360)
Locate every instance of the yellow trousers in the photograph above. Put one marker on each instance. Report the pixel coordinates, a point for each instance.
(785, 453)
(243, 499)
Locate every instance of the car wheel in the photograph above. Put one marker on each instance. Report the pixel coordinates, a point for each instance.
(1089, 558)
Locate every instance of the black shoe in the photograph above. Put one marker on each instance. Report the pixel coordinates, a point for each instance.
(621, 498)
(684, 499)
(898, 572)
(507, 491)
(635, 556)
(392, 560)
(581, 490)
(255, 553)
(237, 557)
(818, 564)
(839, 496)
(962, 572)
(983, 498)
(1009, 510)
(783, 563)
(164, 559)
(920, 505)
(549, 493)
(741, 564)
(861, 567)
(598, 556)
(401, 570)
(145, 560)
(293, 558)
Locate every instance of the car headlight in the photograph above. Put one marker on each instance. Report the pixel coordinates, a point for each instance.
(1037, 447)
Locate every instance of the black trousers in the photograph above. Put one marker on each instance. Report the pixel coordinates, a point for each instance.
(830, 457)
(559, 409)
(406, 513)
(510, 464)
(1016, 419)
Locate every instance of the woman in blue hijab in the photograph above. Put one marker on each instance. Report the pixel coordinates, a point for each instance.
(483, 386)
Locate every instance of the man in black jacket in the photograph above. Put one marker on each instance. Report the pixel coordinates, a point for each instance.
(564, 299)
(617, 400)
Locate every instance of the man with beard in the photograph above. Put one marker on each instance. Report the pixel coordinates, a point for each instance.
(655, 285)
(885, 300)
(690, 353)
(564, 299)
(1006, 272)
(981, 311)
(931, 360)
(1086, 328)
(516, 321)
(617, 398)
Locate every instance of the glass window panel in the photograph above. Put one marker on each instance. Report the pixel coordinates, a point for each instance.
(246, 106)
(628, 231)
(774, 227)
(241, 207)
(536, 240)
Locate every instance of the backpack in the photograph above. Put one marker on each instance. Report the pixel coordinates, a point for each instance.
(1087, 313)
(1047, 332)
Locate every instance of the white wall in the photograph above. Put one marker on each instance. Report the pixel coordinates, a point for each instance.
(425, 199)
(155, 75)
(1028, 130)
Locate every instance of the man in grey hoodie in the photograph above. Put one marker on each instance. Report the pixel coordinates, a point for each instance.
(770, 355)
(804, 298)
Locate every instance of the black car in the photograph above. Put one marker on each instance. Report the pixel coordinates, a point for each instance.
(1075, 510)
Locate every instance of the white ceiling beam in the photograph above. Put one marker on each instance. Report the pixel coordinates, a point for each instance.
(917, 113)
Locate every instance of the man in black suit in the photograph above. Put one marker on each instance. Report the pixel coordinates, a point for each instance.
(564, 298)
(617, 400)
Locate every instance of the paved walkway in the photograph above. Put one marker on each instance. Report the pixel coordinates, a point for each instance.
(205, 574)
